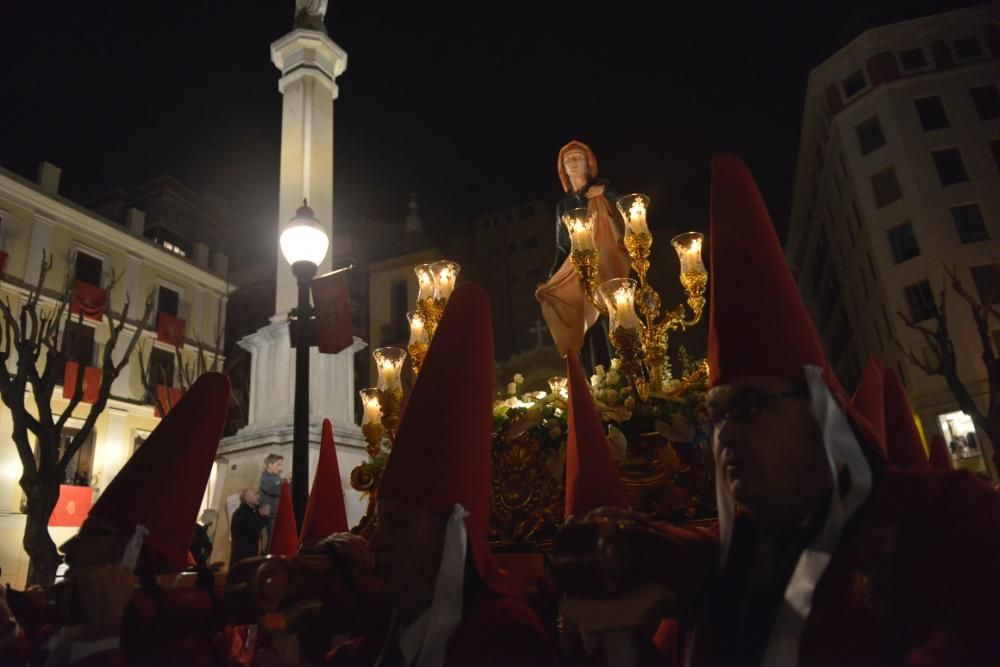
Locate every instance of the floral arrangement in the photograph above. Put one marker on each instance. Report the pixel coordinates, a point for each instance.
(671, 410)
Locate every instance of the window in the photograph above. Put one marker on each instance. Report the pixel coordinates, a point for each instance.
(530, 242)
(969, 223)
(987, 101)
(995, 147)
(870, 135)
(78, 343)
(912, 59)
(88, 268)
(168, 240)
(987, 279)
(81, 466)
(886, 187)
(161, 367)
(168, 301)
(950, 167)
(854, 83)
(967, 48)
(920, 299)
(931, 112)
(903, 241)
(398, 299)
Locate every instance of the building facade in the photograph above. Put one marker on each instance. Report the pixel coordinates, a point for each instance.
(898, 175)
(189, 293)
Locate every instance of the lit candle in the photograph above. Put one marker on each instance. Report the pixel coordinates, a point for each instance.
(580, 225)
(425, 281)
(389, 361)
(445, 275)
(372, 408)
(688, 248)
(633, 208)
(624, 309)
(418, 334)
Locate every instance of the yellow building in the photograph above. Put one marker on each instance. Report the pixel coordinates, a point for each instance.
(87, 248)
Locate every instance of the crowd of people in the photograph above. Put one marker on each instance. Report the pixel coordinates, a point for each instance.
(837, 542)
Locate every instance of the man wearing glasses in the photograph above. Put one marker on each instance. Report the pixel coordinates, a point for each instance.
(824, 553)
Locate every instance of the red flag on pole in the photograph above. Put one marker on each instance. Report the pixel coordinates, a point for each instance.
(332, 302)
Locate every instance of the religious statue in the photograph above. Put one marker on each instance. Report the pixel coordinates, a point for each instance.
(309, 15)
(572, 320)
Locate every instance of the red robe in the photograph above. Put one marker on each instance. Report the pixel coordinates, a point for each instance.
(495, 631)
(910, 582)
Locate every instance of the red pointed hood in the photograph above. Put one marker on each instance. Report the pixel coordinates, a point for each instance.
(869, 400)
(592, 479)
(162, 485)
(325, 512)
(903, 444)
(285, 541)
(758, 324)
(940, 457)
(442, 455)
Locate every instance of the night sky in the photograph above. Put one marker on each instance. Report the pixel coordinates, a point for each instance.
(465, 103)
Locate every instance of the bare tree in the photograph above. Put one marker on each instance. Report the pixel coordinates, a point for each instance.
(35, 335)
(945, 363)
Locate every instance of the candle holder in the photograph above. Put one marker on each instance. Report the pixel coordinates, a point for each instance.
(693, 277)
(640, 341)
(638, 240)
(371, 420)
(419, 340)
(425, 298)
(583, 252)
(389, 361)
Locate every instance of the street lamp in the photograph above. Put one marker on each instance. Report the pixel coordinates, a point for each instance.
(304, 243)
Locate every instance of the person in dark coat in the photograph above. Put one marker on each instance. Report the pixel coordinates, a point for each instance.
(248, 521)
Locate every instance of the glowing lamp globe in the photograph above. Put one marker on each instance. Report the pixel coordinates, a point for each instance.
(303, 239)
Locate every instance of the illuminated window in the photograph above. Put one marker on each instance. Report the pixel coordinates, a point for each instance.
(959, 433)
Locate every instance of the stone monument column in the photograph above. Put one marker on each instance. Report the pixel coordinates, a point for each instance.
(309, 62)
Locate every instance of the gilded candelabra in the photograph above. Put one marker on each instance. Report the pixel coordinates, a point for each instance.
(640, 340)
(435, 283)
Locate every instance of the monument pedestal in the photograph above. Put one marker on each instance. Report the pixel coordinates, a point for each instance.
(240, 461)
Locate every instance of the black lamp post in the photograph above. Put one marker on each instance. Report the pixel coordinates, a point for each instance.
(304, 243)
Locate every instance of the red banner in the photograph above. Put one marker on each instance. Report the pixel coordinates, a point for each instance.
(91, 382)
(89, 300)
(170, 329)
(73, 506)
(167, 397)
(3, 262)
(332, 301)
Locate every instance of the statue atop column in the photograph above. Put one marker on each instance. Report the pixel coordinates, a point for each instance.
(572, 320)
(310, 14)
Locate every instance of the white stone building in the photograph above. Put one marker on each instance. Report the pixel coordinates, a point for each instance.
(899, 172)
(88, 248)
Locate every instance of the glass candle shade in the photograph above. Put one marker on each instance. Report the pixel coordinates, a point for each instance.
(445, 274)
(389, 361)
(418, 332)
(633, 209)
(688, 247)
(580, 224)
(425, 281)
(619, 297)
(372, 407)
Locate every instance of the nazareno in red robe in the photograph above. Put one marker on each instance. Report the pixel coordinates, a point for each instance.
(910, 581)
(496, 630)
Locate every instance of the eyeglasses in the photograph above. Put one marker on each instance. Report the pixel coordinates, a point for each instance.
(747, 409)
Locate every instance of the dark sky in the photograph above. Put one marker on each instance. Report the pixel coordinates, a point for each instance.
(467, 103)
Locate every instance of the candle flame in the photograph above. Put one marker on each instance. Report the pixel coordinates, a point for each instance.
(637, 209)
(695, 246)
(623, 297)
